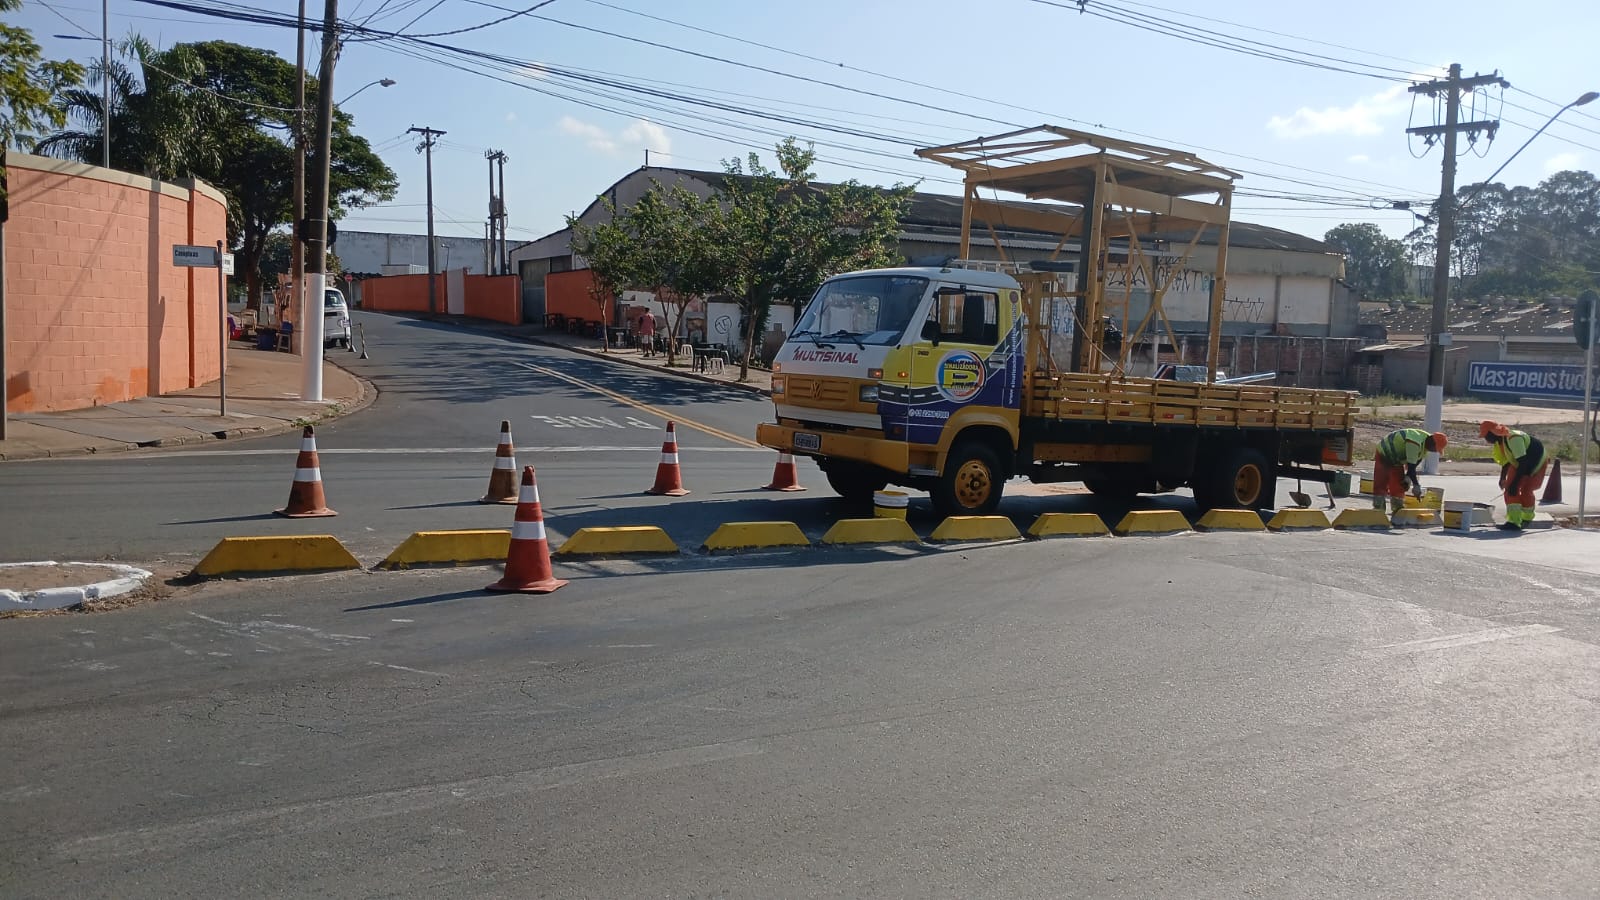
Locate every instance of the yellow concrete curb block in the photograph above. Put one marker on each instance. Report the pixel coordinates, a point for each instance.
(870, 531)
(975, 528)
(1153, 521)
(1362, 518)
(276, 553)
(1231, 520)
(1415, 518)
(1299, 520)
(617, 541)
(449, 548)
(1053, 524)
(755, 535)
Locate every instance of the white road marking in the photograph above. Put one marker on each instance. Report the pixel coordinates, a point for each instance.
(1451, 641)
(341, 812)
(402, 620)
(408, 669)
(629, 646)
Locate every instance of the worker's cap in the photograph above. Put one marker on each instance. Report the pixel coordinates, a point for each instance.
(1486, 428)
(1439, 440)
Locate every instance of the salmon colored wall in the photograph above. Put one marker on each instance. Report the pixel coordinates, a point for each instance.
(95, 311)
(497, 298)
(400, 293)
(567, 294)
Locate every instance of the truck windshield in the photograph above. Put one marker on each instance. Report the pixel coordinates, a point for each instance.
(871, 309)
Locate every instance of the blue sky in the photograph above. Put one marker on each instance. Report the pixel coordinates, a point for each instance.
(1290, 129)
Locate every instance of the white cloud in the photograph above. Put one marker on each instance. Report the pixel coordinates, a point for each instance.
(595, 137)
(648, 135)
(1561, 162)
(637, 135)
(534, 70)
(1360, 159)
(1364, 117)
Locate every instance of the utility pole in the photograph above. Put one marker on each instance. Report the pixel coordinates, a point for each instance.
(297, 248)
(317, 239)
(426, 148)
(105, 83)
(505, 264)
(1438, 338)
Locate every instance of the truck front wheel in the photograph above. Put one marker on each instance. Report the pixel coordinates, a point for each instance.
(971, 483)
(855, 484)
(1243, 480)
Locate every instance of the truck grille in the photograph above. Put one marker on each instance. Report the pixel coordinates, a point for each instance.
(819, 393)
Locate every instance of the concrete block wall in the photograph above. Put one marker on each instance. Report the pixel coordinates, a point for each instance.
(95, 311)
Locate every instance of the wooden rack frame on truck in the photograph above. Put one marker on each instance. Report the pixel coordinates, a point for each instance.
(1111, 190)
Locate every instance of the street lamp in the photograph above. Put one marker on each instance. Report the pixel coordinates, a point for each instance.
(105, 78)
(384, 82)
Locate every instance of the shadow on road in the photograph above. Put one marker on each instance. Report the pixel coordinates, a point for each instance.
(480, 371)
(423, 601)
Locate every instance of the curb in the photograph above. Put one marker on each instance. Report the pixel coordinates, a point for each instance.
(275, 554)
(693, 376)
(130, 579)
(461, 547)
(367, 397)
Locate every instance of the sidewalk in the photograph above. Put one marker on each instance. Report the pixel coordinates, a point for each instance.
(262, 391)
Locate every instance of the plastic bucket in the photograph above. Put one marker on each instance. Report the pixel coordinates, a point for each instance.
(1340, 486)
(890, 504)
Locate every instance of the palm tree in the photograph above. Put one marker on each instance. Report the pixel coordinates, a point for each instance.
(156, 114)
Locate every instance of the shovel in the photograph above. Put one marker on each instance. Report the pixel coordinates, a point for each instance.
(1299, 496)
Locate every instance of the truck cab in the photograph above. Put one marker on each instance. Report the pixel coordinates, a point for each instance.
(886, 367)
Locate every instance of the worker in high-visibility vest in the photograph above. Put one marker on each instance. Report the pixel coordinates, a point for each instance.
(1522, 463)
(1396, 461)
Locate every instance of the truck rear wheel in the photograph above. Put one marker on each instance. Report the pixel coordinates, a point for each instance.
(855, 484)
(1243, 480)
(971, 484)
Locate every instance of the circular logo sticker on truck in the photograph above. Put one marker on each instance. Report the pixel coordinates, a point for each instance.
(960, 376)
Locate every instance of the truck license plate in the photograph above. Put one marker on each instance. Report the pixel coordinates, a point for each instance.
(804, 440)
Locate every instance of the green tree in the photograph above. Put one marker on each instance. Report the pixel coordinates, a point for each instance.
(31, 86)
(780, 235)
(1375, 264)
(663, 244)
(609, 250)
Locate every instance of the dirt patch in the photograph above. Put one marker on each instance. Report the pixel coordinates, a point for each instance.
(38, 577)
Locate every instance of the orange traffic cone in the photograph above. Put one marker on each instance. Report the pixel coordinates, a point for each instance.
(669, 477)
(528, 561)
(503, 480)
(1552, 488)
(305, 495)
(785, 477)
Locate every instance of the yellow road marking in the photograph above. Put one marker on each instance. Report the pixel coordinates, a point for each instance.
(655, 411)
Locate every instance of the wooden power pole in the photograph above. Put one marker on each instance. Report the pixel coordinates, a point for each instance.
(429, 135)
(1438, 338)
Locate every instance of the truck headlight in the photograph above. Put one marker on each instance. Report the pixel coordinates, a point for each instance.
(869, 393)
(777, 384)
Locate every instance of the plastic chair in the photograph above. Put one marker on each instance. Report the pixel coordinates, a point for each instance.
(286, 337)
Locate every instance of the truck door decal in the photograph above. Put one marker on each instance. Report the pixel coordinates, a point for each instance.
(961, 376)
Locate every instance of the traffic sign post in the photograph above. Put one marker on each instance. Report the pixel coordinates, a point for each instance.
(191, 256)
(1584, 320)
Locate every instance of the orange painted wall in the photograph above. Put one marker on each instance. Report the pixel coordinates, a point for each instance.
(400, 293)
(497, 298)
(95, 311)
(567, 294)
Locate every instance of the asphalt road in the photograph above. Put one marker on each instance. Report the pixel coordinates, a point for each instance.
(1202, 716)
(419, 457)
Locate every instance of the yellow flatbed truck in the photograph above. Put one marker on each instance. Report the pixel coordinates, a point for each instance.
(955, 379)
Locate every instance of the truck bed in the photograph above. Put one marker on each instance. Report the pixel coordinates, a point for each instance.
(1147, 401)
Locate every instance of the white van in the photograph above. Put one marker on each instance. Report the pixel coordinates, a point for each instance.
(335, 319)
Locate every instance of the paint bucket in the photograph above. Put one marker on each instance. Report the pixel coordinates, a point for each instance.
(1340, 486)
(1459, 515)
(890, 504)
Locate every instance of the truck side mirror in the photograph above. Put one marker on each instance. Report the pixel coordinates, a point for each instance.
(930, 331)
